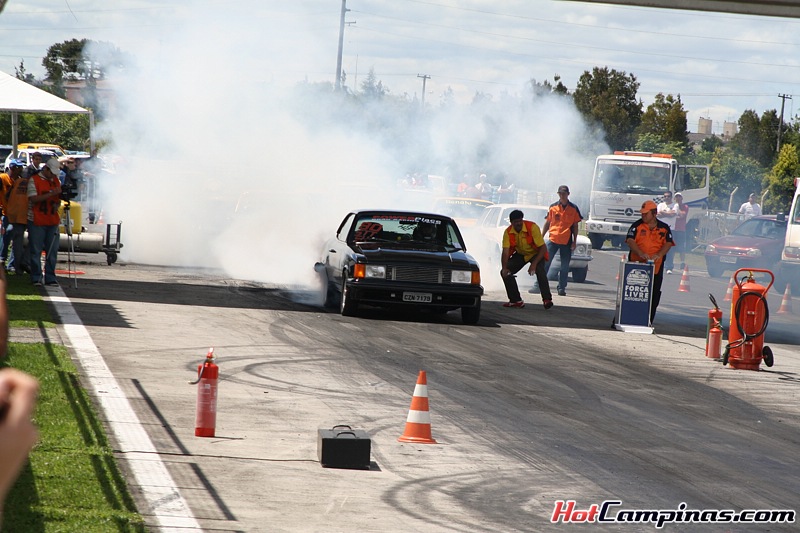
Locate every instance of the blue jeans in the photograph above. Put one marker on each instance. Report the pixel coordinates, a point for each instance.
(43, 238)
(565, 251)
(19, 254)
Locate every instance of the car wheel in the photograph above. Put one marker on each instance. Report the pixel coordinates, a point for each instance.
(597, 240)
(715, 271)
(471, 315)
(579, 274)
(347, 305)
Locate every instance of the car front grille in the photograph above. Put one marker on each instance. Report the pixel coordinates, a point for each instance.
(419, 274)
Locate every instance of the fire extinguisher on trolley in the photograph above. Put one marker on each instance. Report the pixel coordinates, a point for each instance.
(207, 380)
(749, 318)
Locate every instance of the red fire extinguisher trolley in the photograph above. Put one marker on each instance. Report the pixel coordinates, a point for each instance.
(749, 319)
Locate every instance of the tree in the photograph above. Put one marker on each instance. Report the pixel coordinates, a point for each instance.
(730, 171)
(372, 88)
(539, 89)
(650, 142)
(780, 181)
(710, 144)
(83, 60)
(757, 138)
(608, 98)
(666, 119)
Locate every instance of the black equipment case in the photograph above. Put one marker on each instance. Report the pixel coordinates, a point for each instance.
(343, 447)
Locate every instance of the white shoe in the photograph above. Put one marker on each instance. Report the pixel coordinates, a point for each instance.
(669, 271)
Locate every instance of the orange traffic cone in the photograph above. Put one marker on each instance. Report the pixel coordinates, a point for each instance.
(729, 292)
(786, 303)
(418, 423)
(684, 286)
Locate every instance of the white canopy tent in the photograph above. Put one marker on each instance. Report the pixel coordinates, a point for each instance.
(16, 97)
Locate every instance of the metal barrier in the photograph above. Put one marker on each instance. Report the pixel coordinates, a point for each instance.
(717, 224)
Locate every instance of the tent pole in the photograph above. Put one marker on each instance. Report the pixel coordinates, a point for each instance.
(14, 132)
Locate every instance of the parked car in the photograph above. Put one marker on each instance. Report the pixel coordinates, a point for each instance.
(465, 211)
(56, 149)
(25, 155)
(5, 151)
(400, 258)
(755, 243)
(494, 222)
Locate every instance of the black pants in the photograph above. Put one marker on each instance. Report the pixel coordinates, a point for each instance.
(515, 264)
(655, 297)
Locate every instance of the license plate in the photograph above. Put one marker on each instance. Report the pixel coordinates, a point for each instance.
(731, 260)
(420, 297)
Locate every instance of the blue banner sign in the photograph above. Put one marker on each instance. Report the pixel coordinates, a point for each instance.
(633, 297)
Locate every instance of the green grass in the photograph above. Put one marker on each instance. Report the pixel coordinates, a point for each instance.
(25, 304)
(72, 482)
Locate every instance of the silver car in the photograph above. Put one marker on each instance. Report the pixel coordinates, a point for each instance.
(493, 223)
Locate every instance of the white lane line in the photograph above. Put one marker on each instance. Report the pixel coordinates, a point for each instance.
(159, 489)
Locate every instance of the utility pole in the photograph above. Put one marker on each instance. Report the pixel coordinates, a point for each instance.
(425, 78)
(341, 45)
(783, 98)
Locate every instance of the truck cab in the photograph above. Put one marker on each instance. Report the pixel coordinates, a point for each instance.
(623, 181)
(790, 256)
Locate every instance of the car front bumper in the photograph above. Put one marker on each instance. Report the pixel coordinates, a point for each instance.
(383, 293)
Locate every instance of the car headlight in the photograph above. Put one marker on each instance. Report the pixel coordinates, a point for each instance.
(710, 249)
(465, 276)
(580, 249)
(375, 271)
(753, 252)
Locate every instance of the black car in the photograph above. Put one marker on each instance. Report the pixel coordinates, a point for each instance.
(401, 258)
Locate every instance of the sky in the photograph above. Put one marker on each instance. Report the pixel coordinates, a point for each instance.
(225, 166)
(721, 64)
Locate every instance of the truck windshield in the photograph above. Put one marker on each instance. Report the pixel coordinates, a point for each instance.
(632, 177)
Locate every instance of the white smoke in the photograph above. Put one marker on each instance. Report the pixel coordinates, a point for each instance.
(225, 167)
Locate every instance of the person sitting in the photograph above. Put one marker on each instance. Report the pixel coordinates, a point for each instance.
(425, 232)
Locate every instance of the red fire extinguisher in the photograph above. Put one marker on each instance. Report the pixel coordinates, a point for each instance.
(714, 341)
(714, 318)
(749, 319)
(205, 420)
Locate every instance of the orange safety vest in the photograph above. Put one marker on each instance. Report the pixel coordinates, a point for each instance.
(45, 213)
(512, 238)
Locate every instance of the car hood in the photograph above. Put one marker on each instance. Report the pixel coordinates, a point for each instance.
(738, 241)
(389, 255)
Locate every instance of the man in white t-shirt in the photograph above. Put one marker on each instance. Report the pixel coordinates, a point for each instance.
(750, 208)
(668, 212)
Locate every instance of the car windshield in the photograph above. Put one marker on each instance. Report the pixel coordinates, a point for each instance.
(404, 229)
(766, 229)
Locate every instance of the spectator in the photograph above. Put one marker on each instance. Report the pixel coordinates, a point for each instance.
(507, 192)
(17, 212)
(668, 212)
(34, 167)
(6, 182)
(44, 194)
(679, 231)
(750, 208)
(562, 221)
(484, 188)
(522, 244)
(649, 239)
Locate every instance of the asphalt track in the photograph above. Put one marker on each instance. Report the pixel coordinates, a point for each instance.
(528, 407)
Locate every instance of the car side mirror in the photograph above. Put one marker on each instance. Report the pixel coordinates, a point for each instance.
(781, 217)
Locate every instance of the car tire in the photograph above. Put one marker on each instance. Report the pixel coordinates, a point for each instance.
(347, 305)
(579, 274)
(471, 315)
(715, 271)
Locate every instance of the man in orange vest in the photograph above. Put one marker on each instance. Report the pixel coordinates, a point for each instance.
(44, 194)
(562, 221)
(16, 210)
(649, 240)
(523, 244)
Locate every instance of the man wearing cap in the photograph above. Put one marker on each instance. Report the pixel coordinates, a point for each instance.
(522, 244)
(649, 239)
(562, 221)
(16, 210)
(668, 212)
(44, 194)
(6, 182)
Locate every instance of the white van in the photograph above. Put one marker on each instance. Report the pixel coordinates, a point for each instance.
(790, 257)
